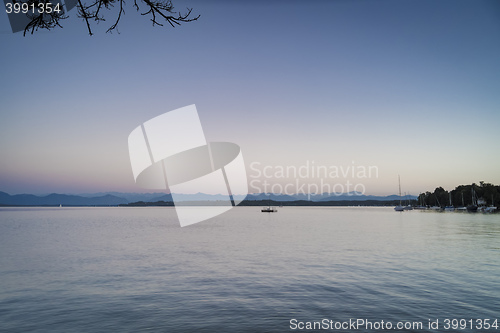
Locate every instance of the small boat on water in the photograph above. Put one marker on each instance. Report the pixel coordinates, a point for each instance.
(472, 208)
(449, 208)
(400, 207)
(462, 208)
(437, 207)
(269, 209)
(408, 200)
(492, 208)
(421, 205)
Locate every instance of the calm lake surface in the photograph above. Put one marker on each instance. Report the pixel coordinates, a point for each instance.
(135, 270)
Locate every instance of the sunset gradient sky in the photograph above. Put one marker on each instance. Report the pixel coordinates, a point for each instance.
(412, 87)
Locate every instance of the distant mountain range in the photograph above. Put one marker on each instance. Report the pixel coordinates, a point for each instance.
(352, 196)
(59, 199)
(117, 198)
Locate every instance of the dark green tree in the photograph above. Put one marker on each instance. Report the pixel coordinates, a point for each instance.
(440, 196)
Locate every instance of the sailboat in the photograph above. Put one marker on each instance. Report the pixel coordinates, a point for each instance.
(449, 208)
(269, 209)
(421, 202)
(492, 208)
(408, 198)
(399, 208)
(437, 207)
(472, 208)
(462, 208)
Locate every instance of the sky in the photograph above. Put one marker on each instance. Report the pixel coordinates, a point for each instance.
(409, 87)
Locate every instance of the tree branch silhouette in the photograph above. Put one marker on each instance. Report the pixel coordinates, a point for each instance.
(39, 20)
(158, 10)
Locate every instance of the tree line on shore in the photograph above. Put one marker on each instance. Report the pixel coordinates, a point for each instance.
(463, 195)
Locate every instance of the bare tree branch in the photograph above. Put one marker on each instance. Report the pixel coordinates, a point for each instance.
(157, 9)
(43, 20)
(84, 15)
(161, 7)
(113, 27)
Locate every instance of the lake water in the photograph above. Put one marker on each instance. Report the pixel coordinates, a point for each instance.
(135, 270)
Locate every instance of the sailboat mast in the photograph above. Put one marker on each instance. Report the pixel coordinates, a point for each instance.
(399, 181)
